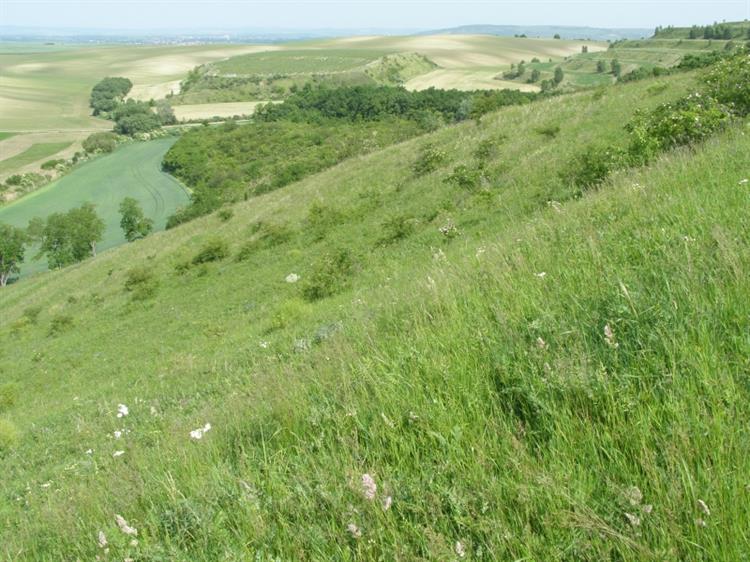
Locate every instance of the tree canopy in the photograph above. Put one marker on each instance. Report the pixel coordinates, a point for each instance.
(12, 248)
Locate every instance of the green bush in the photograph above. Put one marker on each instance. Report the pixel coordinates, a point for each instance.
(225, 214)
(8, 436)
(329, 275)
(141, 283)
(592, 166)
(683, 122)
(320, 219)
(215, 249)
(465, 177)
(396, 228)
(549, 131)
(729, 83)
(32, 313)
(8, 395)
(430, 159)
(60, 323)
(100, 142)
(52, 164)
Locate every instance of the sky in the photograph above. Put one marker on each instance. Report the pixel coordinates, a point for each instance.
(389, 14)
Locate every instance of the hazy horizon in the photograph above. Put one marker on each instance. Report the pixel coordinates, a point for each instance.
(301, 16)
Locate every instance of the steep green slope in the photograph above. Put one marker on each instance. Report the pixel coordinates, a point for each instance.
(524, 374)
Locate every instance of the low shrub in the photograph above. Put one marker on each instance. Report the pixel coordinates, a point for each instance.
(141, 283)
(225, 214)
(32, 313)
(265, 235)
(729, 82)
(429, 160)
(329, 275)
(683, 122)
(52, 164)
(8, 436)
(592, 166)
(100, 142)
(395, 228)
(215, 249)
(550, 131)
(320, 219)
(60, 323)
(8, 395)
(465, 177)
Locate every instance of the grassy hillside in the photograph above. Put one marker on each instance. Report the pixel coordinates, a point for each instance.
(581, 69)
(133, 170)
(521, 373)
(724, 30)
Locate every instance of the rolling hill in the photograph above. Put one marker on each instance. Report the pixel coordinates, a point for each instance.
(390, 360)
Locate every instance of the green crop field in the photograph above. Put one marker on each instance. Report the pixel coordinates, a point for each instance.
(32, 154)
(133, 170)
(388, 361)
(4, 136)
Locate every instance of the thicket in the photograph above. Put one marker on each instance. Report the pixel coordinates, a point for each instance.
(108, 94)
(684, 122)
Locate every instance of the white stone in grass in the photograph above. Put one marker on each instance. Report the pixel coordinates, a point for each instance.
(291, 278)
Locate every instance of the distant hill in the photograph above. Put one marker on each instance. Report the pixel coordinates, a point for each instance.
(565, 32)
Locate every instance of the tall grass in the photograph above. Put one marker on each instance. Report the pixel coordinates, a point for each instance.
(562, 378)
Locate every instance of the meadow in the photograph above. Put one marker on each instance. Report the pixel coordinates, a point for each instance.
(392, 361)
(133, 170)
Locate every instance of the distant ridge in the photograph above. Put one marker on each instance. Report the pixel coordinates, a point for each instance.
(565, 32)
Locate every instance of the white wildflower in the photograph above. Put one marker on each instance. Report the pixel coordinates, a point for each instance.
(354, 530)
(122, 410)
(634, 520)
(387, 421)
(102, 540)
(264, 344)
(134, 543)
(439, 255)
(704, 507)
(153, 410)
(634, 495)
(743, 181)
(46, 484)
(387, 502)
(541, 344)
(117, 434)
(124, 527)
(481, 250)
(369, 488)
(118, 453)
(460, 549)
(541, 274)
(89, 451)
(609, 337)
(198, 433)
(701, 523)
(648, 508)
(291, 278)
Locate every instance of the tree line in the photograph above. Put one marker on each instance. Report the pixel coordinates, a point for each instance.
(65, 238)
(131, 116)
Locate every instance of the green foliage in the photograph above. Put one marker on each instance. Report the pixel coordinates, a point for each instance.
(141, 282)
(430, 159)
(329, 275)
(465, 177)
(100, 142)
(559, 75)
(686, 121)
(66, 238)
(535, 76)
(133, 223)
(550, 130)
(9, 436)
(225, 214)
(215, 249)
(52, 164)
(108, 94)
(265, 235)
(9, 393)
(133, 117)
(396, 228)
(601, 66)
(729, 82)
(60, 323)
(592, 166)
(12, 251)
(320, 219)
(616, 67)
